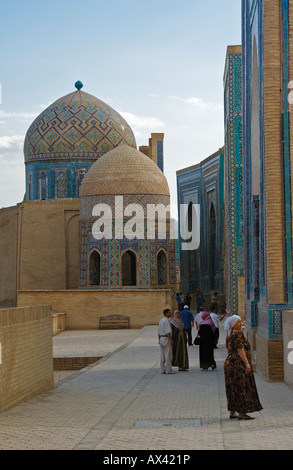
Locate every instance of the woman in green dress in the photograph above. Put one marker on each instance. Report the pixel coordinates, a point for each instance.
(180, 353)
(241, 391)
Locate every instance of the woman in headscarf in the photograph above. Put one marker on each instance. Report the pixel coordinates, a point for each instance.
(241, 391)
(206, 347)
(180, 353)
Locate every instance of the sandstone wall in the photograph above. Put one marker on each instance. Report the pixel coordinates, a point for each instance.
(84, 308)
(26, 354)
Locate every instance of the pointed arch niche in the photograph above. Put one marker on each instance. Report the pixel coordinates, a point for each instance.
(128, 268)
(162, 268)
(95, 268)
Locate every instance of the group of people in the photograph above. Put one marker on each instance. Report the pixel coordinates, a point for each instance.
(183, 300)
(173, 343)
(176, 333)
(179, 335)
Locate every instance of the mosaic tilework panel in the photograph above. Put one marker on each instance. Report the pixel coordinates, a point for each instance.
(286, 130)
(85, 233)
(78, 125)
(277, 322)
(143, 260)
(160, 155)
(252, 27)
(233, 179)
(172, 262)
(114, 263)
(51, 180)
(111, 251)
(153, 262)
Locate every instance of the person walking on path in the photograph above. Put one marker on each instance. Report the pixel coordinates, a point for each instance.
(199, 299)
(214, 301)
(188, 321)
(179, 302)
(206, 347)
(241, 391)
(215, 319)
(166, 343)
(187, 299)
(179, 353)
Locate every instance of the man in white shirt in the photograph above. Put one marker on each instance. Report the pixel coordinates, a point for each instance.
(166, 343)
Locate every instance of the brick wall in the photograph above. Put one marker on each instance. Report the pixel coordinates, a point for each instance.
(10, 222)
(241, 297)
(269, 358)
(272, 84)
(26, 362)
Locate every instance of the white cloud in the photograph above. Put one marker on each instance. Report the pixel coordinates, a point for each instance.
(10, 141)
(21, 115)
(143, 126)
(197, 102)
(140, 122)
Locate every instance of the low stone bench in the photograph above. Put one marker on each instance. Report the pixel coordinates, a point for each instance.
(114, 321)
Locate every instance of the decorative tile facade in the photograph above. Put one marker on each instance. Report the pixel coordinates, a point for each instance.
(254, 202)
(267, 222)
(146, 252)
(54, 180)
(123, 179)
(203, 184)
(233, 175)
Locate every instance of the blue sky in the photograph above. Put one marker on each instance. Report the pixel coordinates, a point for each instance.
(160, 63)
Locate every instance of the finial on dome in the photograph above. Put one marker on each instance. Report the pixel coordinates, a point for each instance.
(78, 85)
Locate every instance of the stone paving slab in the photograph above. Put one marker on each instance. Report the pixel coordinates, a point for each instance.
(99, 407)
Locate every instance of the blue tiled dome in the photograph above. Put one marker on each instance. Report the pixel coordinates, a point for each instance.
(66, 139)
(76, 126)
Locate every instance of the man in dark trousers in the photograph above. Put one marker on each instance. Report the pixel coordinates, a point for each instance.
(188, 321)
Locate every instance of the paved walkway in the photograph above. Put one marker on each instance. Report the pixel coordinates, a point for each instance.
(123, 403)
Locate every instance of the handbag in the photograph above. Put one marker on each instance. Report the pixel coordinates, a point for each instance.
(196, 341)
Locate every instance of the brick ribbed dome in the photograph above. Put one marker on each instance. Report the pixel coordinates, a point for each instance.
(77, 126)
(124, 170)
